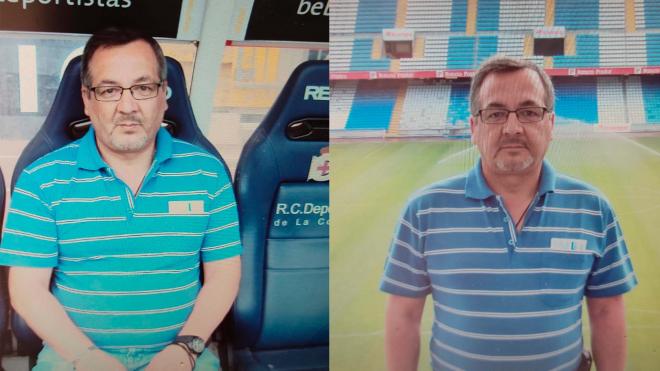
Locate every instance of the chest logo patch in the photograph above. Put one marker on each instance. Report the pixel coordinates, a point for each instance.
(186, 207)
(568, 244)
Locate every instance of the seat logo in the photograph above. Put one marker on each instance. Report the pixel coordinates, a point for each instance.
(317, 92)
(319, 168)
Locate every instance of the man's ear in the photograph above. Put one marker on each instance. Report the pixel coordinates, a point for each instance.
(165, 92)
(85, 94)
(552, 124)
(473, 124)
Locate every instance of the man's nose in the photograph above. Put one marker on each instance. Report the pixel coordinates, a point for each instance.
(512, 125)
(127, 103)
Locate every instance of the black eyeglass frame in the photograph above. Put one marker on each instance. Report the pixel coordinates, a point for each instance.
(508, 112)
(130, 88)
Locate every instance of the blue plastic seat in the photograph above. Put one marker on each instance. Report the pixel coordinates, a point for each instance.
(280, 318)
(67, 122)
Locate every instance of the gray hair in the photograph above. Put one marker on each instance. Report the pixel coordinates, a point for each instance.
(499, 64)
(110, 37)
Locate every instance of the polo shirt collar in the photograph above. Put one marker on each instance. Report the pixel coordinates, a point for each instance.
(89, 157)
(477, 188)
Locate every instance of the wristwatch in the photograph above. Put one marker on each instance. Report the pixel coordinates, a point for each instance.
(195, 344)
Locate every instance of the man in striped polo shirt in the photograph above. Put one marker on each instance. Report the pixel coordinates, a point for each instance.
(509, 250)
(123, 220)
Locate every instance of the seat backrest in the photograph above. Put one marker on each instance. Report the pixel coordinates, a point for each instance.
(67, 122)
(282, 192)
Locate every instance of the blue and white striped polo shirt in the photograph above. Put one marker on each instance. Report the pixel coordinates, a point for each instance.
(505, 300)
(126, 268)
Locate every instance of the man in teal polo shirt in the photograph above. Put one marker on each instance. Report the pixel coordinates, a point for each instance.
(123, 220)
(509, 250)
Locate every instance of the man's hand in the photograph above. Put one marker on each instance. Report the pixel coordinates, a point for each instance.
(98, 360)
(172, 358)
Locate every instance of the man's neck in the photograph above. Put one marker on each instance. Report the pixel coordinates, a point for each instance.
(130, 167)
(518, 186)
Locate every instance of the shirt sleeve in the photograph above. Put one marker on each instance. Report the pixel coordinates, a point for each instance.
(29, 238)
(405, 268)
(222, 237)
(612, 272)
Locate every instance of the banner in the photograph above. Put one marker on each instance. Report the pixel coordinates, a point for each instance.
(459, 74)
(158, 18)
(289, 20)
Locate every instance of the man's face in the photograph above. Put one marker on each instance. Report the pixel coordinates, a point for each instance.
(127, 125)
(512, 147)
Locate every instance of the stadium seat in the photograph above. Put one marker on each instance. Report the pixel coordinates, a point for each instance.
(280, 317)
(67, 122)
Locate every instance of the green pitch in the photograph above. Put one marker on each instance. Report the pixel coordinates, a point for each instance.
(371, 182)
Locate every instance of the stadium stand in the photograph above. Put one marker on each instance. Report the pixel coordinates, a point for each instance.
(340, 54)
(516, 15)
(341, 100)
(458, 15)
(576, 100)
(610, 95)
(586, 53)
(651, 94)
(460, 52)
(647, 13)
(488, 15)
(612, 14)
(460, 34)
(653, 49)
(374, 15)
(425, 107)
(361, 58)
(577, 15)
(635, 101)
(459, 104)
(435, 55)
(344, 16)
(372, 106)
(428, 16)
(611, 46)
(486, 47)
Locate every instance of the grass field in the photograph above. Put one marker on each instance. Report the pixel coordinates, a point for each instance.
(372, 180)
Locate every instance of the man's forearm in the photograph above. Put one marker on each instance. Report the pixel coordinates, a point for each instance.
(402, 347)
(214, 299)
(47, 318)
(402, 335)
(608, 333)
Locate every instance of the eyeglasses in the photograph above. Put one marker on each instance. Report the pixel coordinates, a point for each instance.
(526, 115)
(111, 93)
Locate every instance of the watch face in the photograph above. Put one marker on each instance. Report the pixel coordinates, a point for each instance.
(197, 345)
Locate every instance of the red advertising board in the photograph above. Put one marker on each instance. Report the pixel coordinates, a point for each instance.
(459, 74)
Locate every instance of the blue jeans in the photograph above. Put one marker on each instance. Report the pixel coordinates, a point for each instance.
(134, 359)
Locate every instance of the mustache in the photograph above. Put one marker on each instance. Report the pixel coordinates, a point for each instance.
(516, 142)
(124, 118)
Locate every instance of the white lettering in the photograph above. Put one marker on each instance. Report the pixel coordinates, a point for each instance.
(313, 8)
(126, 4)
(302, 222)
(317, 92)
(295, 208)
(281, 209)
(25, 2)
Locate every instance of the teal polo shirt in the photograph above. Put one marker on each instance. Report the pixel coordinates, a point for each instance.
(506, 299)
(126, 268)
